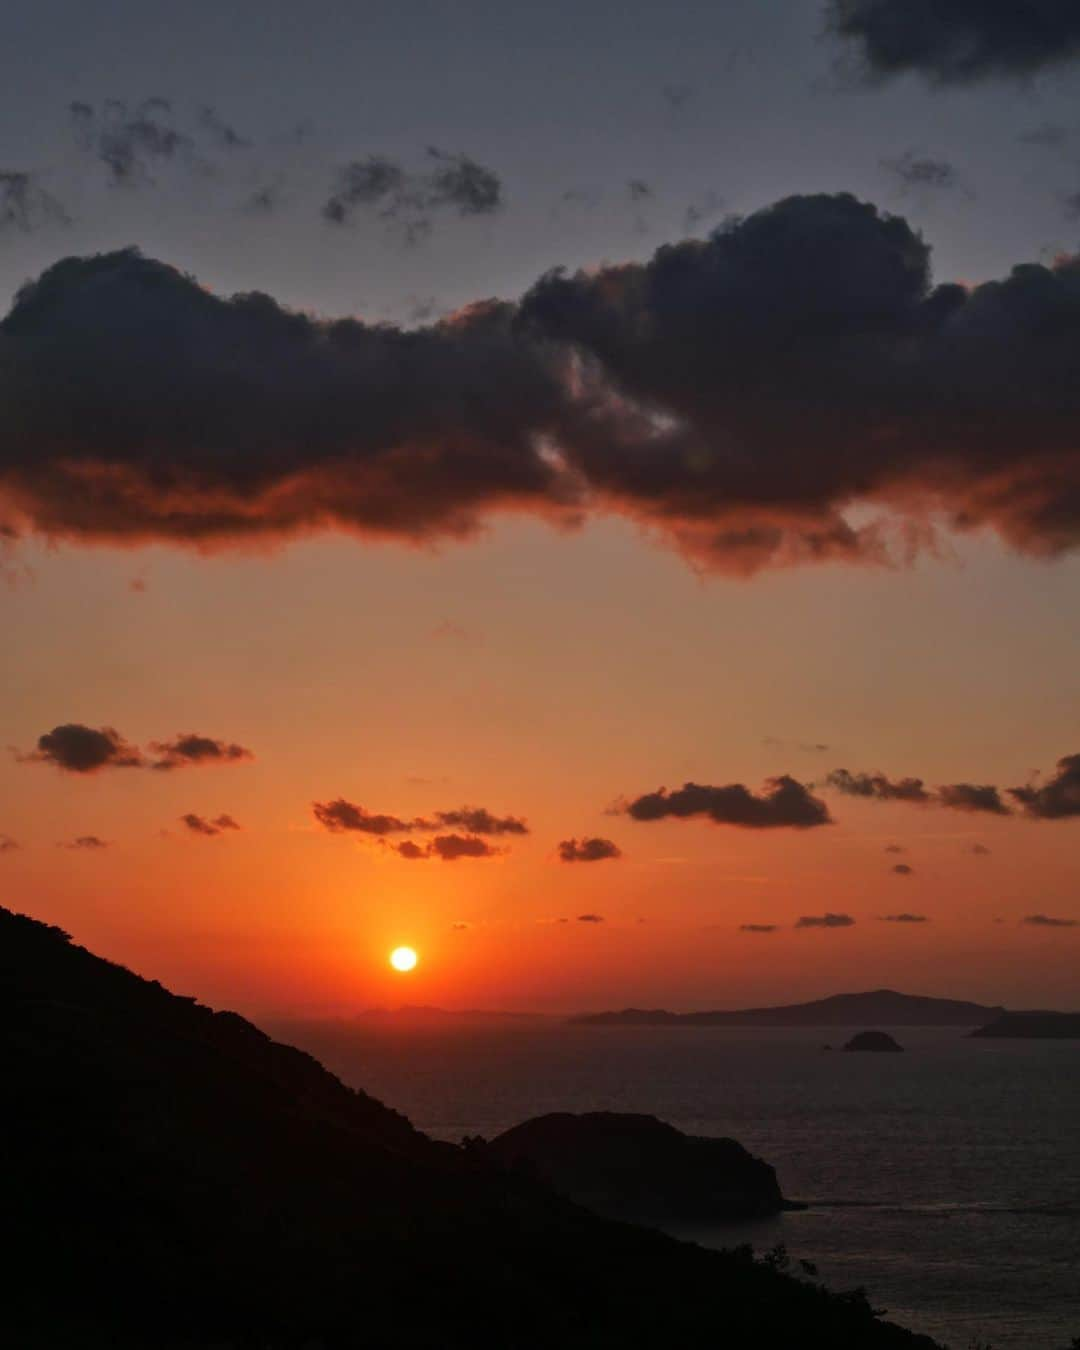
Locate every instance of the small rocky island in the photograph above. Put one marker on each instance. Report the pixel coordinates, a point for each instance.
(876, 1041)
(637, 1167)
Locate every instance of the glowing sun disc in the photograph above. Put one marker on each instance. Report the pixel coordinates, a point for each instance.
(403, 958)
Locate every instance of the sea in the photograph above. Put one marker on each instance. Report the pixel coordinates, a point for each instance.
(945, 1180)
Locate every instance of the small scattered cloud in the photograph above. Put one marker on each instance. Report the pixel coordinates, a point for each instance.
(904, 918)
(784, 803)
(340, 815)
(87, 842)
(410, 851)
(76, 748)
(702, 210)
(451, 847)
(1047, 135)
(972, 797)
(677, 96)
(128, 140)
(200, 825)
(757, 928)
(826, 920)
(411, 200)
(903, 870)
(224, 136)
(588, 850)
(1058, 798)
(955, 796)
(476, 820)
(878, 787)
(25, 205)
(189, 748)
(1045, 921)
(920, 173)
(590, 918)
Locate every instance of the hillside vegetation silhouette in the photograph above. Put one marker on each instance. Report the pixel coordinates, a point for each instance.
(174, 1178)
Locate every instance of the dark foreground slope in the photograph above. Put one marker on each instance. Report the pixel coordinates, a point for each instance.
(172, 1178)
(886, 1007)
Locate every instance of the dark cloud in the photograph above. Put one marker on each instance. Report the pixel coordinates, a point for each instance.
(1058, 797)
(757, 928)
(87, 841)
(958, 42)
(25, 205)
(459, 182)
(826, 920)
(972, 797)
(451, 182)
(1048, 135)
(588, 850)
(704, 208)
(477, 820)
(783, 803)
(340, 815)
(590, 918)
(677, 96)
(7, 844)
(81, 749)
(1045, 921)
(409, 850)
(737, 396)
(190, 748)
(263, 201)
(220, 132)
(128, 140)
(200, 825)
(904, 870)
(451, 847)
(904, 918)
(372, 182)
(878, 787)
(919, 173)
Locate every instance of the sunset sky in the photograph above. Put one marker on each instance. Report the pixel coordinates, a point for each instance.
(748, 512)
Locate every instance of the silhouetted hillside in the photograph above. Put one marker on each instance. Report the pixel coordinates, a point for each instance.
(174, 1178)
(886, 1007)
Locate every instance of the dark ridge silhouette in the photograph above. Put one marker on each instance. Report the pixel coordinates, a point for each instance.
(174, 1178)
(876, 1042)
(1033, 1026)
(638, 1167)
(884, 1006)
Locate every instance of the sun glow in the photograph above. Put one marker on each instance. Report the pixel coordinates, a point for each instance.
(403, 958)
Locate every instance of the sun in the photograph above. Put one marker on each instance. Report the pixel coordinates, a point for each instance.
(403, 958)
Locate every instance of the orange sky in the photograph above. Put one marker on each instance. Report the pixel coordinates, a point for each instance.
(544, 676)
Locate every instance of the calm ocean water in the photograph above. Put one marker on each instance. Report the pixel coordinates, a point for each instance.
(945, 1180)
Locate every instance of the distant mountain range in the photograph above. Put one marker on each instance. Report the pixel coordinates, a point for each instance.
(877, 1007)
(1033, 1026)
